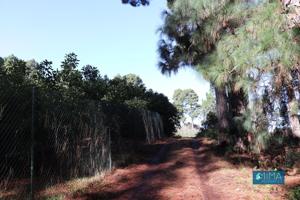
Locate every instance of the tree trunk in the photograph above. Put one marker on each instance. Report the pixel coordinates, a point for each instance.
(293, 21)
(295, 125)
(237, 102)
(293, 112)
(222, 112)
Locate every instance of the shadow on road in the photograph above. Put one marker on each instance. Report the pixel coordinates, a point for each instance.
(145, 180)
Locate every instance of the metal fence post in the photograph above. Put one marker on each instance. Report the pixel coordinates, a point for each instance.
(32, 144)
(109, 142)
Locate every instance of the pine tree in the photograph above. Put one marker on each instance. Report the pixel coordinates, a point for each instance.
(233, 44)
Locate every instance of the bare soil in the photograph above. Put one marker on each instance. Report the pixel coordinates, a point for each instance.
(183, 169)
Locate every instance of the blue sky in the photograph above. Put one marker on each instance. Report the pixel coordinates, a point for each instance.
(117, 38)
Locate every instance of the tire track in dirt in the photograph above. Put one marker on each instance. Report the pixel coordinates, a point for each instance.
(161, 155)
(200, 159)
(183, 169)
(187, 184)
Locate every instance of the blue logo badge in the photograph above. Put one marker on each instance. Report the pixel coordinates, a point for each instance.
(268, 177)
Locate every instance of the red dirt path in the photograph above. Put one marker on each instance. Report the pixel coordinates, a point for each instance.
(183, 169)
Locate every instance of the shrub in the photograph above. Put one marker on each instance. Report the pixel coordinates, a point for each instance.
(294, 194)
(210, 133)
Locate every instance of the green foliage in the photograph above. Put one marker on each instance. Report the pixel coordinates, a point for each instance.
(234, 45)
(208, 104)
(195, 112)
(262, 141)
(15, 70)
(254, 122)
(160, 103)
(236, 53)
(294, 107)
(137, 103)
(210, 128)
(294, 194)
(134, 80)
(125, 88)
(178, 98)
(58, 197)
(44, 75)
(93, 85)
(192, 28)
(72, 86)
(186, 102)
(291, 158)
(70, 62)
(212, 133)
(211, 121)
(1, 62)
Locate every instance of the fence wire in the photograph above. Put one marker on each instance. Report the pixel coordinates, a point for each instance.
(15, 143)
(45, 140)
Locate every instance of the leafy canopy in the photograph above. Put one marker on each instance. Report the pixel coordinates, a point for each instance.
(186, 102)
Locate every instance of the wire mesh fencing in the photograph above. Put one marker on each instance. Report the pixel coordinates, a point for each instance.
(44, 142)
(46, 139)
(15, 142)
(71, 142)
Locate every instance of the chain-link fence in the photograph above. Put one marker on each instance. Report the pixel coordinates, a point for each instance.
(15, 143)
(45, 140)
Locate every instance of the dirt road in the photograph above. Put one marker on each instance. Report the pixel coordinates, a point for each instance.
(183, 169)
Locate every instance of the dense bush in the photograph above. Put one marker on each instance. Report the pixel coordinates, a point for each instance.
(209, 126)
(211, 121)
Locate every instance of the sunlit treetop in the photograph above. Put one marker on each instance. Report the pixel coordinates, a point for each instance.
(225, 39)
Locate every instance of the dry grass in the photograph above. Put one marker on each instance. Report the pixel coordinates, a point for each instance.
(188, 170)
(59, 191)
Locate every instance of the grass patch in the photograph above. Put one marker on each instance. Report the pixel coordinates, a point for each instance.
(59, 191)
